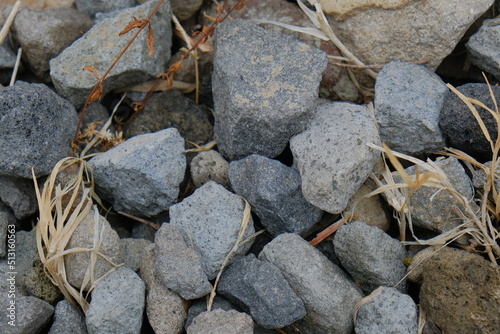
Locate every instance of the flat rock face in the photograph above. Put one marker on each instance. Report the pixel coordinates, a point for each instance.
(483, 47)
(67, 320)
(265, 85)
(211, 217)
(461, 292)
(274, 191)
(19, 194)
(91, 7)
(390, 311)
(331, 154)
(36, 127)
(371, 256)
(221, 322)
(134, 67)
(142, 175)
(328, 295)
(408, 101)
(117, 304)
(31, 314)
(421, 30)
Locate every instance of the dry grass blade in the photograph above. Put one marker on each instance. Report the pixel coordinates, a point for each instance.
(8, 22)
(16, 67)
(304, 30)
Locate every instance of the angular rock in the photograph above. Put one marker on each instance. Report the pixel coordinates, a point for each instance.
(221, 322)
(328, 295)
(142, 175)
(332, 155)
(91, 7)
(388, 311)
(274, 192)
(371, 256)
(209, 166)
(200, 306)
(171, 109)
(134, 67)
(7, 225)
(184, 9)
(19, 194)
(460, 292)
(31, 314)
(117, 304)
(459, 124)
(26, 252)
(39, 285)
(67, 320)
(408, 101)
(83, 237)
(418, 30)
(43, 34)
(265, 86)
(36, 127)
(165, 309)
(212, 217)
(260, 288)
(483, 49)
(433, 211)
(132, 252)
(7, 57)
(179, 266)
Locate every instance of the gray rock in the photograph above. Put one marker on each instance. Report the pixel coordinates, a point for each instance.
(171, 109)
(433, 211)
(221, 322)
(19, 194)
(260, 288)
(67, 320)
(332, 156)
(387, 311)
(7, 57)
(83, 237)
(26, 252)
(408, 101)
(7, 223)
(371, 256)
(117, 304)
(142, 175)
(30, 314)
(91, 7)
(265, 86)
(274, 192)
(209, 166)
(184, 9)
(211, 217)
(38, 284)
(134, 67)
(200, 306)
(43, 34)
(430, 35)
(483, 49)
(36, 127)
(328, 295)
(459, 124)
(179, 266)
(132, 252)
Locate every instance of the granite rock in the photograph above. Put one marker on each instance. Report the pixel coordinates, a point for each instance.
(221, 322)
(132, 252)
(7, 222)
(19, 194)
(209, 166)
(483, 49)
(67, 320)
(91, 7)
(31, 314)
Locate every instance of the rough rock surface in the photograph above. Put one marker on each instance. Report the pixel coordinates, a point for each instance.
(43, 34)
(259, 288)
(408, 101)
(36, 127)
(274, 192)
(31, 314)
(19, 194)
(265, 86)
(211, 217)
(83, 236)
(483, 49)
(200, 306)
(387, 311)
(134, 67)
(179, 266)
(117, 304)
(221, 322)
(142, 175)
(184, 9)
(39, 285)
(331, 154)
(209, 166)
(7, 221)
(461, 292)
(420, 30)
(328, 295)
(91, 7)
(460, 125)
(132, 252)
(7, 57)
(67, 320)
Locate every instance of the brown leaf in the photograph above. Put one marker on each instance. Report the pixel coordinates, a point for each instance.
(239, 5)
(175, 67)
(150, 40)
(91, 70)
(132, 25)
(96, 93)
